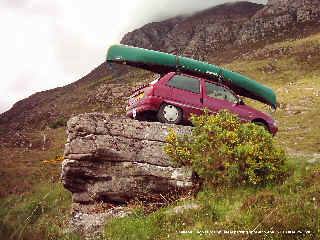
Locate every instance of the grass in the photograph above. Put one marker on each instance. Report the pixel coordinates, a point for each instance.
(21, 168)
(292, 206)
(41, 214)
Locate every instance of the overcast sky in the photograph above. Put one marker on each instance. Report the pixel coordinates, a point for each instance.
(51, 43)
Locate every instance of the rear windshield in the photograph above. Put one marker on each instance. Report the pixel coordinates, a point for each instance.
(185, 83)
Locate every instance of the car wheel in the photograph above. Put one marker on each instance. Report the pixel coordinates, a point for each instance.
(262, 124)
(169, 114)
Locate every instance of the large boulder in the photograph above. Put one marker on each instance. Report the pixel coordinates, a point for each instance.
(115, 159)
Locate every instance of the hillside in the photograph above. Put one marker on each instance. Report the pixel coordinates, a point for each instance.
(226, 26)
(287, 61)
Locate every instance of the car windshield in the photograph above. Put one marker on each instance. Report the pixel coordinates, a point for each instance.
(220, 92)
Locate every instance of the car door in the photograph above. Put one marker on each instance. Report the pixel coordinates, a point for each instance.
(218, 97)
(161, 89)
(186, 93)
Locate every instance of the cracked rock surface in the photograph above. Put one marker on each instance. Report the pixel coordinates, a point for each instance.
(114, 160)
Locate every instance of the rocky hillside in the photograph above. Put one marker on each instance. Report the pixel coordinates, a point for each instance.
(222, 27)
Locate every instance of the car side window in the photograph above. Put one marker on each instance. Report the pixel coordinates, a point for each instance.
(220, 92)
(185, 83)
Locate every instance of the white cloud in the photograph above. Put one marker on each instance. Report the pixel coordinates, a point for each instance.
(27, 56)
(13, 3)
(147, 11)
(46, 44)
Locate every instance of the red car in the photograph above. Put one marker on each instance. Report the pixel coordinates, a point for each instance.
(174, 96)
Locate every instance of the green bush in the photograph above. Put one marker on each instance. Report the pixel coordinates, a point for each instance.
(58, 123)
(223, 150)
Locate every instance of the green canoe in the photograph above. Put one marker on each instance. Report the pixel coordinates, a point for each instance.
(162, 63)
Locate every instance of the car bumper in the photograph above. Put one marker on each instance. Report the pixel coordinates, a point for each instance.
(151, 103)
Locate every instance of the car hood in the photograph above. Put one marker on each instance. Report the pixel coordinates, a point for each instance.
(254, 113)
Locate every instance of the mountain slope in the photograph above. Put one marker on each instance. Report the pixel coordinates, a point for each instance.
(226, 26)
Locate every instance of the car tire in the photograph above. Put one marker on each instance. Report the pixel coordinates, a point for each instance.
(169, 114)
(262, 124)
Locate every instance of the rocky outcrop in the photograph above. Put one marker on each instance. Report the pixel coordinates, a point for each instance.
(91, 225)
(225, 25)
(115, 160)
(152, 34)
(280, 17)
(297, 10)
(195, 35)
(111, 160)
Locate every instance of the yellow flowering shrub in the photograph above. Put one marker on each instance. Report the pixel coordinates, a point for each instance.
(57, 159)
(223, 150)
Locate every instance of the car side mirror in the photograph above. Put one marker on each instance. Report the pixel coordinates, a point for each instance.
(240, 101)
(272, 109)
